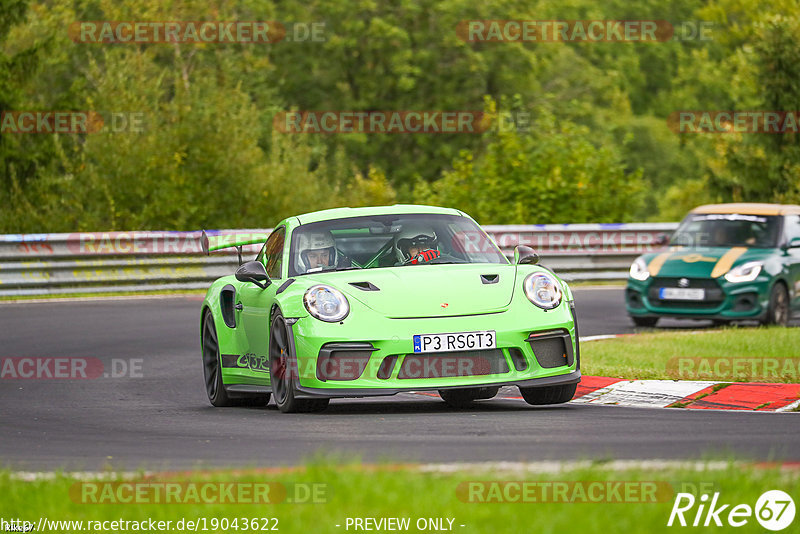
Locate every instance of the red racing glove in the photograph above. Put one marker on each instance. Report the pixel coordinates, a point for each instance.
(426, 256)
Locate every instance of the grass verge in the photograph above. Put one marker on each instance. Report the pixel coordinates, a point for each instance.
(761, 354)
(325, 495)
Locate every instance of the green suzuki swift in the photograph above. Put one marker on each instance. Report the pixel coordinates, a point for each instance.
(726, 262)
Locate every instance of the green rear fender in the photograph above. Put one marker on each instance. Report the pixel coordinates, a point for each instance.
(228, 341)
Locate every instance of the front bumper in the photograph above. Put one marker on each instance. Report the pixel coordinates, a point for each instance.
(391, 340)
(724, 301)
(309, 392)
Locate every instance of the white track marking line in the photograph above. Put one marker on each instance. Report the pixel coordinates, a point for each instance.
(789, 407)
(571, 465)
(650, 393)
(455, 467)
(596, 338)
(34, 476)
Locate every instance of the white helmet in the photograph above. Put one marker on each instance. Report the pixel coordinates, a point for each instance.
(308, 241)
(413, 235)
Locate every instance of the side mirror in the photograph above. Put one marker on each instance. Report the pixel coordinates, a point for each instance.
(525, 255)
(661, 240)
(253, 272)
(793, 243)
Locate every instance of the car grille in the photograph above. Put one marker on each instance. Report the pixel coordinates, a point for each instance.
(453, 364)
(552, 348)
(714, 296)
(343, 361)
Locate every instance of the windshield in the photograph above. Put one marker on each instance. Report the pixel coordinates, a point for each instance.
(727, 230)
(377, 241)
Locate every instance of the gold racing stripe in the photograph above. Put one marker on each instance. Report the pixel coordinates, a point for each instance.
(727, 259)
(657, 262)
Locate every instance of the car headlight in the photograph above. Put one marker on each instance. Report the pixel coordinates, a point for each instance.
(543, 290)
(639, 270)
(746, 272)
(326, 303)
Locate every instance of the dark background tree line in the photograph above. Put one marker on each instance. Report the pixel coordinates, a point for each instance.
(597, 149)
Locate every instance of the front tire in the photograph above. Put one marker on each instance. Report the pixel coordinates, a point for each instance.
(644, 321)
(778, 309)
(463, 398)
(281, 372)
(549, 394)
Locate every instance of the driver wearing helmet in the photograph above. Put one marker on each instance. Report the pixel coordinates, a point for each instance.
(416, 244)
(316, 252)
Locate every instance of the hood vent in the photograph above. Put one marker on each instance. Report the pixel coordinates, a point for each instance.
(365, 286)
(490, 278)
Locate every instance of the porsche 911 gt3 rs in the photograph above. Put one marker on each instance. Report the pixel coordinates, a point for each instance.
(355, 302)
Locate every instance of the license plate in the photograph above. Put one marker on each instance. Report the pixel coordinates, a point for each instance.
(681, 293)
(485, 339)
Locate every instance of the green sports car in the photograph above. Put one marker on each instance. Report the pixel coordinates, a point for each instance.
(356, 302)
(726, 262)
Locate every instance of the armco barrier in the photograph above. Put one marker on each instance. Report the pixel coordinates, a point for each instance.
(97, 262)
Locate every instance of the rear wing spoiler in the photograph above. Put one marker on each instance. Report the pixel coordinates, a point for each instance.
(219, 241)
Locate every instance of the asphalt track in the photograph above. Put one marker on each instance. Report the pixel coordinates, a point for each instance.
(162, 420)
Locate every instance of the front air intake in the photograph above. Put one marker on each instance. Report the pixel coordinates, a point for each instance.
(343, 361)
(552, 348)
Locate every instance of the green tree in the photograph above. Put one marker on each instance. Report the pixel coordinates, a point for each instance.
(552, 174)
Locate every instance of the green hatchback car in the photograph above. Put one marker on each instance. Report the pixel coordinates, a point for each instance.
(726, 262)
(356, 302)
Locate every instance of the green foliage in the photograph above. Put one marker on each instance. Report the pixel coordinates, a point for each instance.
(551, 174)
(598, 147)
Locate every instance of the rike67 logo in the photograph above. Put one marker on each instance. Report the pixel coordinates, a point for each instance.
(774, 510)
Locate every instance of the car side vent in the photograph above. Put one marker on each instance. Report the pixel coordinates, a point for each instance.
(490, 278)
(365, 286)
(227, 297)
